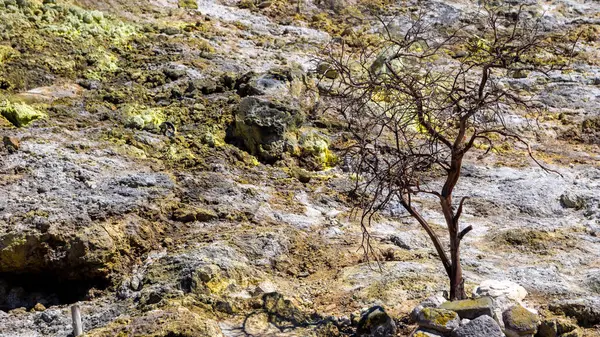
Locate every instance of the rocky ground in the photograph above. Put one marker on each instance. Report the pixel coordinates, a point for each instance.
(203, 231)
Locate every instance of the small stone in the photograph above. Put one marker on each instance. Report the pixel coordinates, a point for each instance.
(189, 214)
(170, 31)
(420, 332)
(264, 287)
(438, 319)
(375, 322)
(480, 326)
(327, 70)
(39, 307)
(570, 200)
(519, 321)
(471, 309)
(11, 144)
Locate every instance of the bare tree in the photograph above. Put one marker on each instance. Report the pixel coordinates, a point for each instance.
(417, 100)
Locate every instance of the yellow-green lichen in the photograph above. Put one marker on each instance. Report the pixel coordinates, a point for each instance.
(314, 146)
(20, 114)
(143, 118)
(189, 4)
(438, 316)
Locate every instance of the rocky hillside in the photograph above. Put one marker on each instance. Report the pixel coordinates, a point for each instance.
(168, 166)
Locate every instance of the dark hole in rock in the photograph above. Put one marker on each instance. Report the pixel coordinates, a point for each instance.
(26, 290)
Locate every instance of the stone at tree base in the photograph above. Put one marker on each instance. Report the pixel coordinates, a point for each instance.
(519, 321)
(471, 309)
(504, 288)
(438, 319)
(558, 327)
(375, 322)
(482, 326)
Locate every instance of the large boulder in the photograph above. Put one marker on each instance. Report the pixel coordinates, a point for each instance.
(438, 319)
(585, 310)
(519, 321)
(375, 322)
(480, 326)
(262, 127)
(558, 327)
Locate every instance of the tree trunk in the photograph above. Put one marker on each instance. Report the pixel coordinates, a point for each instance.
(457, 283)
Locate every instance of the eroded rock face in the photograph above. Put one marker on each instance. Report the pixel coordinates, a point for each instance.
(60, 201)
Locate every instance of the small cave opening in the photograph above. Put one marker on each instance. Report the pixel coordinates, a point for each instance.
(25, 290)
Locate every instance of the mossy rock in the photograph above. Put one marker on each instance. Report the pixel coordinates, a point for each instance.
(471, 308)
(20, 114)
(189, 4)
(520, 320)
(438, 319)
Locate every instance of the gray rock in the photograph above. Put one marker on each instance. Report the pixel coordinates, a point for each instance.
(375, 322)
(471, 309)
(519, 321)
(438, 319)
(570, 200)
(409, 240)
(585, 310)
(480, 326)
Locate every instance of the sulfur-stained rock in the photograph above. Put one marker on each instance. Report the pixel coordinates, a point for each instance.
(262, 127)
(189, 214)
